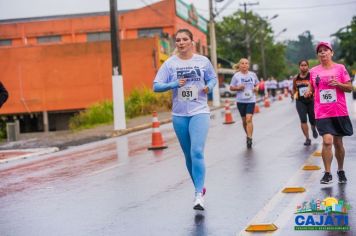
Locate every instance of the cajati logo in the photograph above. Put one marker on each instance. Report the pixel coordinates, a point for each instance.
(329, 214)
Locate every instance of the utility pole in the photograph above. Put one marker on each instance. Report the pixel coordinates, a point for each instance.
(262, 39)
(263, 56)
(213, 57)
(247, 36)
(117, 80)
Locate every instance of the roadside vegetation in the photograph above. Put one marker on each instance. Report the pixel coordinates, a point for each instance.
(2, 129)
(140, 102)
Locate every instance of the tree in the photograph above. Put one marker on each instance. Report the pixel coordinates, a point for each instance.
(231, 42)
(230, 37)
(347, 36)
(302, 49)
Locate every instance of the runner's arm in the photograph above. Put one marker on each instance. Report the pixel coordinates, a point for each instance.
(346, 87)
(209, 86)
(163, 82)
(162, 87)
(237, 88)
(309, 92)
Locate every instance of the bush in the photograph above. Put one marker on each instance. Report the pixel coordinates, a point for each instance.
(98, 113)
(3, 134)
(140, 102)
(143, 102)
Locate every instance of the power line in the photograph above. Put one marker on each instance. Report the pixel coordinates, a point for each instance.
(309, 7)
(297, 8)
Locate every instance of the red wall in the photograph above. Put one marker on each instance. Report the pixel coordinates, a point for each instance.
(71, 76)
(74, 73)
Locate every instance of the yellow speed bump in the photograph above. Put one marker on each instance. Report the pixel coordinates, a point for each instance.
(261, 228)
(293, 190)
(317, 154)
(311, 167)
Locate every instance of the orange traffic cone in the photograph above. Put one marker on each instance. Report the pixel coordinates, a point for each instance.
(228, 116)
(257, 109)
(267, 103)
(157, 140)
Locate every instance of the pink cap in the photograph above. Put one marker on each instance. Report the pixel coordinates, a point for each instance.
(323, 44)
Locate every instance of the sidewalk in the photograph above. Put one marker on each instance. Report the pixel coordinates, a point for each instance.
(35, 144)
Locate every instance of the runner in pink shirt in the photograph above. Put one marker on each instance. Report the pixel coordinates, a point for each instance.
(329, 100)
(329, 82)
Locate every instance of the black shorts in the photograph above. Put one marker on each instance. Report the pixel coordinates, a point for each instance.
(246, 108)
(337, 126)
(305, 110)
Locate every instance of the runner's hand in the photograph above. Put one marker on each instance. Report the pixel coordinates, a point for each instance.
(206, 89)
(181, 82)
(241, 87)
(333, 82)
(308, 94)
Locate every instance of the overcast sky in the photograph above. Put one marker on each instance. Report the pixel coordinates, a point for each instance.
(321, 17)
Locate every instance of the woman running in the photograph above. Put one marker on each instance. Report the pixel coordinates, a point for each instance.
(191, 77)
(329, 82)
(305, 106)
(245, 83)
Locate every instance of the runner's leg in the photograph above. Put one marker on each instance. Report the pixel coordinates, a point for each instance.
(181, 128)
(249, 125)
(198, 130)
(326, 152)
(339, 152)
(302, 112)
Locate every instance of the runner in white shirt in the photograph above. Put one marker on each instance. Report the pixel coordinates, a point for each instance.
(245, 83)
(191, 77)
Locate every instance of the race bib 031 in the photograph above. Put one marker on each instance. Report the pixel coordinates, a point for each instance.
(188, 93)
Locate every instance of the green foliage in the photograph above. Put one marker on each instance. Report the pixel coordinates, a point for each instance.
(275, 61)
(231, 42)
(96, 114)
(140, 102)
(302, 49)
(230, 36)
(347, 36)
(143, 102)
(313, 62)
(3, 134)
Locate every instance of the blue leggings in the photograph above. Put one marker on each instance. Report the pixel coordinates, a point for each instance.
(192, 132)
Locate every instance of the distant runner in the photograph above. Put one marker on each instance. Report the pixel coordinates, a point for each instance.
(305, 106)
(245, 83)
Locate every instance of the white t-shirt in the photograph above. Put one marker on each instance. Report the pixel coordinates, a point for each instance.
(198, 71)
(250, 80)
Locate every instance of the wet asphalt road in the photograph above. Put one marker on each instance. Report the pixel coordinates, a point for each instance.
(117, 187)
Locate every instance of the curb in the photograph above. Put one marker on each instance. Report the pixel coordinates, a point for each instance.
(117, 133)
(30, 152)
